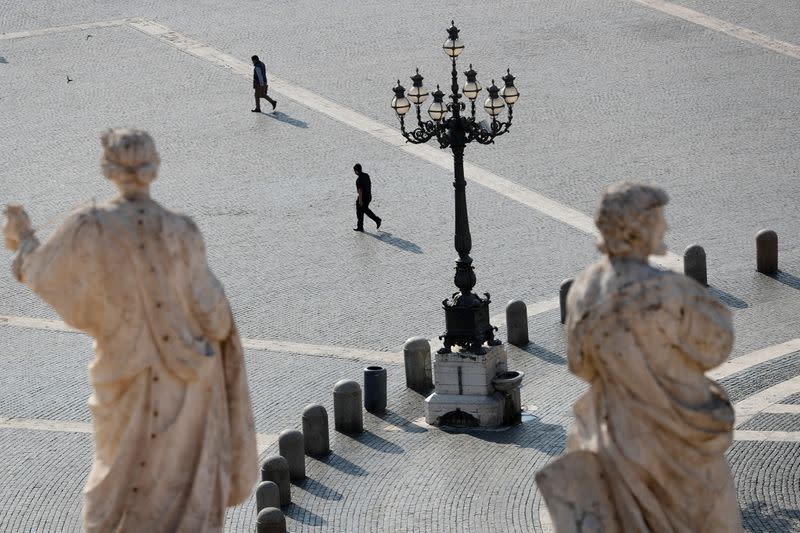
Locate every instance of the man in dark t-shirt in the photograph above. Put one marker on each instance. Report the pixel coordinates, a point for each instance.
(260, 84)
(364, 188)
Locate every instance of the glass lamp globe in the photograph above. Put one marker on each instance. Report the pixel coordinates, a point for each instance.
(400, 103)
(453, 45)
(471, 86)
(437, 108)
(417, 93)
(509, 93)
(494, 104)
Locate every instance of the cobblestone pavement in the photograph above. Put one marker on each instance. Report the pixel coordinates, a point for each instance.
(611, 90)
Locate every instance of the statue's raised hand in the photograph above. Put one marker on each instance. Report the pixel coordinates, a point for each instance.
(17, 226)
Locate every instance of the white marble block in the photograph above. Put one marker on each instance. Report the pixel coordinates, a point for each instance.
(467, 373)
(463, 382)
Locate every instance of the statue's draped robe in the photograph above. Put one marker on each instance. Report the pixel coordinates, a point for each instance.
(659, 427)
(173, 428)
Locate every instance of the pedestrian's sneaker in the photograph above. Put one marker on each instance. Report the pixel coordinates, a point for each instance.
(274, 103)
(256, 110)
(378, 223)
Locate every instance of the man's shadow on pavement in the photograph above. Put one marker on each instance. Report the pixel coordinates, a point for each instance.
(397, 242)
(283, 117)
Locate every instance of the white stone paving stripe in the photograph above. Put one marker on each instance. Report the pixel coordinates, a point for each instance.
(757, 403)
(754, 358)
(722, 26)
(533, 309)
(783, 408)
(392, 136)
(35, 323)
(314, 350)
(62, 426)
(538, 308)
(264, 440)
(59, 29)
(766, 436)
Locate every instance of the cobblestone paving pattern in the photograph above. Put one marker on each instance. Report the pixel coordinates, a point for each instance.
(773, 422)
(793, 399)
(767, 476)
(742, 384)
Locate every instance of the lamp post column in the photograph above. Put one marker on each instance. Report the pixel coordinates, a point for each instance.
(466, 314)
(465, 273)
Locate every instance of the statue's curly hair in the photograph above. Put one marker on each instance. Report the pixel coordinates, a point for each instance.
(129, 155)
(626, 216)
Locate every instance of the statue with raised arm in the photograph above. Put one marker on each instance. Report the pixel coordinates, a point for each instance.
(174, 439)
(646, 450)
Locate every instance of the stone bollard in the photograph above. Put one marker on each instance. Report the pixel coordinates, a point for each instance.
(417, 355)
(517, 323)
(292, 448)
(375, 389)
(767, 252)
(562, 297)
(347, 415)
(694, 264)
(267, 495)
(270, 520)
(276, 469)
(315, 430)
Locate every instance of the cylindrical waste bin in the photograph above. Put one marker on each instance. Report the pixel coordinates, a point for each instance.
(375, 389)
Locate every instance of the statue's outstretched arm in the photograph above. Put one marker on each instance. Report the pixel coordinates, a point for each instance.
(19, 237)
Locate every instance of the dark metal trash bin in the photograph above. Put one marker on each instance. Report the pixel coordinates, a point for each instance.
(375, 389)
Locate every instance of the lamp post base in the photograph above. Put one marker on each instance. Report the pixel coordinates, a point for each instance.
(474, 390)
(467, 323)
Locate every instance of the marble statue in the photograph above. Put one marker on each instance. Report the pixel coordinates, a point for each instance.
(174, 439)
(645, 452)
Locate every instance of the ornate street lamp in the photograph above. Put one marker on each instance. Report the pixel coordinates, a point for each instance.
(466, 314)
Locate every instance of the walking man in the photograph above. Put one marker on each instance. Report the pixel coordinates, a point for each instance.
(364, 188)
(260, 84)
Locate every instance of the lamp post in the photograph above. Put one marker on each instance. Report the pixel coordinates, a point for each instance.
(466, 314)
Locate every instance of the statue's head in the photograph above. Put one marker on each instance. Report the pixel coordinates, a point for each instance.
(129, 159)
(631, 221)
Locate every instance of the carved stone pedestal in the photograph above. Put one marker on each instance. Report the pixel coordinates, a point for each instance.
(465, 395)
